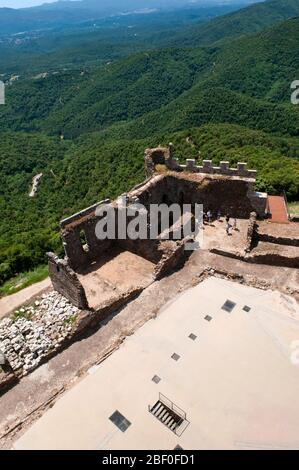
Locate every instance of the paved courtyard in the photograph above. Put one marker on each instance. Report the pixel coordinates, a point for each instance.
(236, 378)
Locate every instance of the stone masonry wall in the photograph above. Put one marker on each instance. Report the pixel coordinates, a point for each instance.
(65, 281)
(78, 255)
(164, 156)
(224, 194)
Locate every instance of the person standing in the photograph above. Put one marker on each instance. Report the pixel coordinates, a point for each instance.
(228, 226)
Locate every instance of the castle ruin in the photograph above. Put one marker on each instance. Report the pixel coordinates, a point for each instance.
(96, 273)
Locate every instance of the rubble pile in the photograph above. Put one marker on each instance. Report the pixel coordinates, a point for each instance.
(35, 331)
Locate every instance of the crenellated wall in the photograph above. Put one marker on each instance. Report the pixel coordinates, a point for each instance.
(164, 156)
(222, 169)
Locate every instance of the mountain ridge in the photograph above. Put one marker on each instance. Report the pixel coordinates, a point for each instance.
(248, 20)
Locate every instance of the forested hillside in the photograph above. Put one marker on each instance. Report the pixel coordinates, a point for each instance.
(95, 42)
(248, 20)
(246, 81)
(85, 127)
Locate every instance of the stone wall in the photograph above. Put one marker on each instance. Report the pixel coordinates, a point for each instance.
(223, 169)
(66, 282)
(233, 196)
(273, 257)
(81, 253)
(157, 156)
(279, 239)
(84, 213)
(7, 380)
(87, 319)
(164, 156)
(259, 202)
(171, 259)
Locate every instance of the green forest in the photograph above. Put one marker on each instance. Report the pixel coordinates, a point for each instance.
(223, 85)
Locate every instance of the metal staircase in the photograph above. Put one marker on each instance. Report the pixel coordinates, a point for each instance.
(168, 413)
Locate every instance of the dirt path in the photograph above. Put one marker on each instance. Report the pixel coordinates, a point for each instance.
(35, 183)
(12, 302)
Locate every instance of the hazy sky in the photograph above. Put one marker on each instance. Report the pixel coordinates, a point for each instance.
(30, 3)
(22, 3)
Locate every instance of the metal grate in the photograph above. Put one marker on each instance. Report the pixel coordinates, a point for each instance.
(192, 336)
(208, 318)
(120, 421)
(228, 306)
(175, 357)
(156, 379)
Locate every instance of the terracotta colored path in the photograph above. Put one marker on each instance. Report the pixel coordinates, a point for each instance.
(277, 208)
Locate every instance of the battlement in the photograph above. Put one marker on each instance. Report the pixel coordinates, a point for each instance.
(222, 169)
(164, 156)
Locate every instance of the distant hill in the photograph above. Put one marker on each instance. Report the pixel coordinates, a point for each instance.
(248, 20)
(117, 6)
(70, 13)
(246, 81)
(77, 36)
(96, 41)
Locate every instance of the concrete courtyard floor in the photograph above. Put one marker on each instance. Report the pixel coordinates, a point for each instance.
(21, 406)
(235, 379)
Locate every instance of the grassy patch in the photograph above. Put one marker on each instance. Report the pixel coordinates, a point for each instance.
(294, 207)
(18, 314)
(24, 280)
(159, 168)
(70, 320)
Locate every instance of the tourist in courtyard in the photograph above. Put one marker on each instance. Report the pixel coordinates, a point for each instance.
(228, 225)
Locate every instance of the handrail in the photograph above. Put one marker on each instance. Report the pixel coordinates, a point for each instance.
(172, 406)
